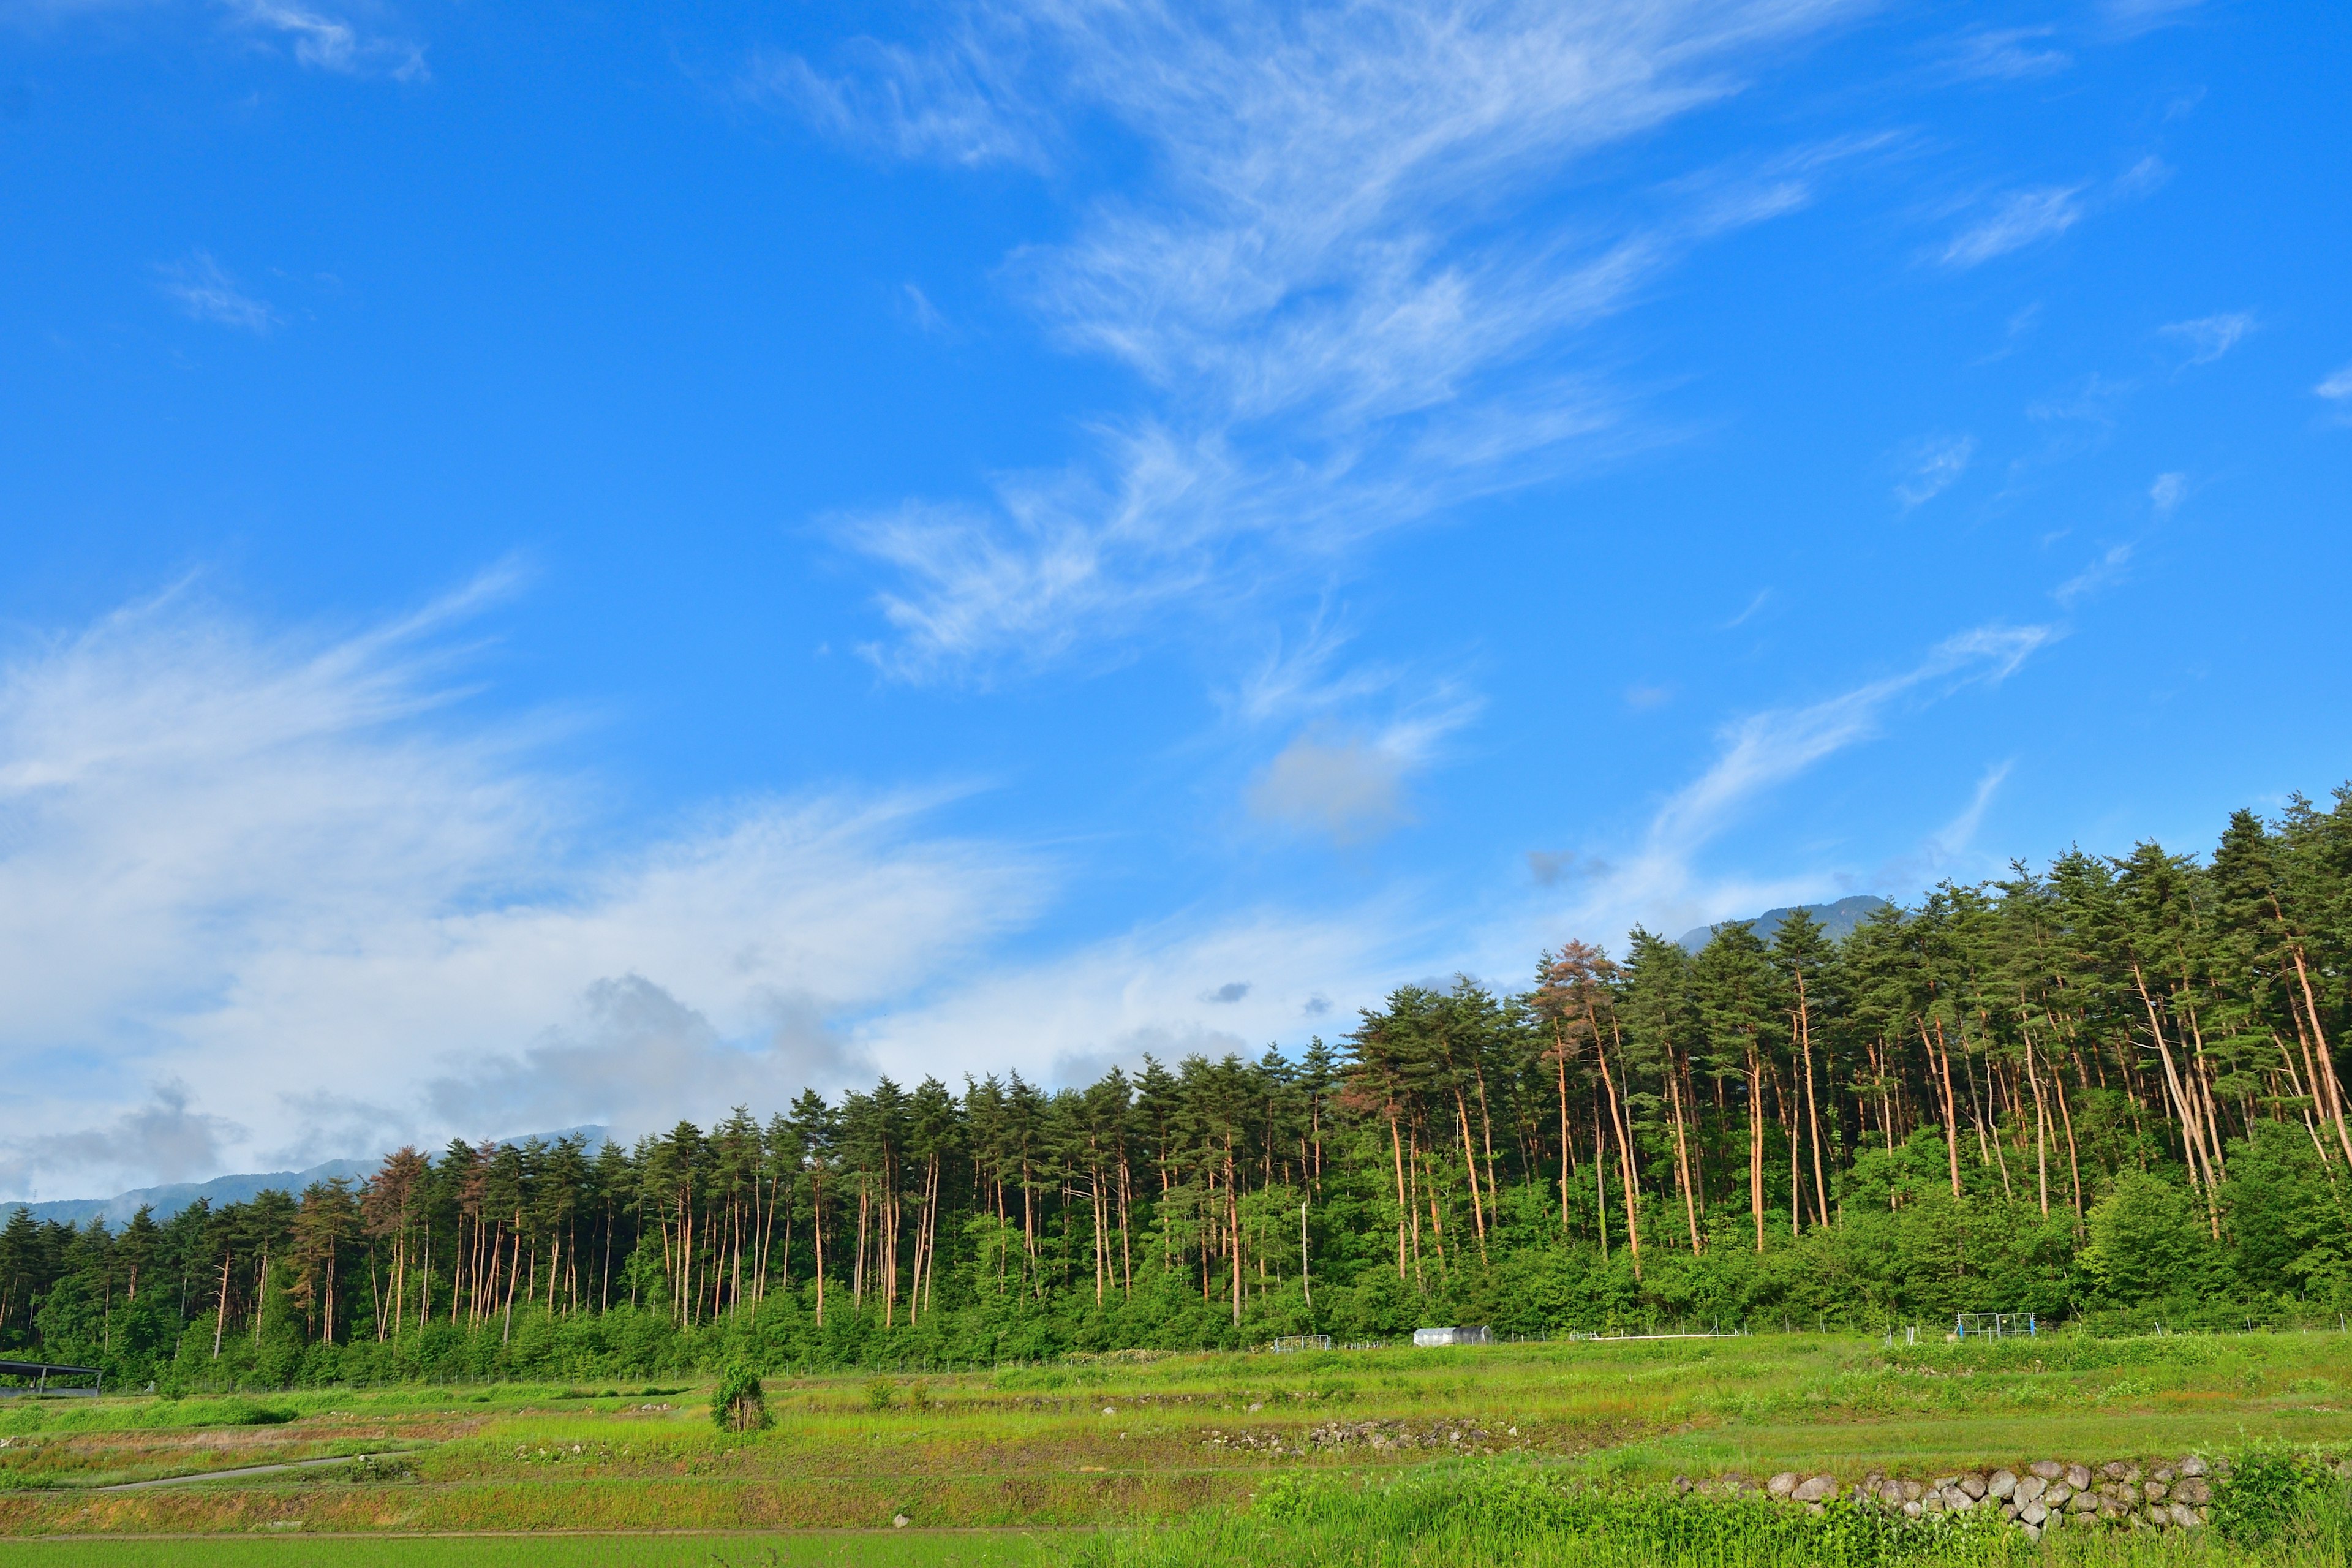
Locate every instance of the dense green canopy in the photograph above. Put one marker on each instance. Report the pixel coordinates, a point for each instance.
(2110, 1088)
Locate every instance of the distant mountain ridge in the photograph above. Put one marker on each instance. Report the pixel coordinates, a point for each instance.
(1836, 920)
(171, 1198)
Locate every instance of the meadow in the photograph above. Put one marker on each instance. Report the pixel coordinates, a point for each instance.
(1570, 1452)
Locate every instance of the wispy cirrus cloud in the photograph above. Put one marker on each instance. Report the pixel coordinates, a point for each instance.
(325, 41)
(1359, 732)
(2208, 337)
(2101, 573)
(2128, 18)
(1658, 880)
(1932, 466)
(962, 103)
(2337, 389)
(2000, 223)
(2015, 221)
(208, 294)
(1337, 319)
(2006, 53)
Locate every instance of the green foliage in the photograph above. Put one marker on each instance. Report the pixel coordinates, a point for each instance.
(1507, 1511)
(2148, 1242)
(737, 1402)
(2270, 1489)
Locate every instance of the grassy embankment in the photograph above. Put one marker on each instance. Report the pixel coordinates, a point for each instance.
(1185, 1443)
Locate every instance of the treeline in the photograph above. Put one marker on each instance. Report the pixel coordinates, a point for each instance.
(2110, 1089)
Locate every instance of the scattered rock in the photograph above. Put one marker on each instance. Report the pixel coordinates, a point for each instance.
(2048, 1469)
(899, 1521)
(2003, 1484)
(1815, 1489)
(1782, 1484)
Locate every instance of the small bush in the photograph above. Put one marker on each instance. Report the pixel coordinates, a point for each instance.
(739, 1404)
(2268, 1491)
(880, 1393)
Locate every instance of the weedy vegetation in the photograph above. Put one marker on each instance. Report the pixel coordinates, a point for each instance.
(1570, 1453)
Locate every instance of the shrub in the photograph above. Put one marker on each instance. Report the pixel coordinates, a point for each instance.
(2268, 1491)
(739, 1404)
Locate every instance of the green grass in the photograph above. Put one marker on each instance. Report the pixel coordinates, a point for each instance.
(1506, 1512)
(894, 1549)
(1176, 1443)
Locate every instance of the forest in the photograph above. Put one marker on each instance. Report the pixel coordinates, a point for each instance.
(2106, 1091)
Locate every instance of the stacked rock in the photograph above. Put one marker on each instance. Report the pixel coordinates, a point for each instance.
(2052, 1493)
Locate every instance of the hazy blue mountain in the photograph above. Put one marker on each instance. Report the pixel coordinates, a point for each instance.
(1836, 918)
(169, 1200)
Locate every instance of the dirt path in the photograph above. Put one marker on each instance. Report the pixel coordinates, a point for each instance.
(232, 1475)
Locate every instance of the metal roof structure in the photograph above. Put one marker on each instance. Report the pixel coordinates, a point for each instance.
(41, 1371)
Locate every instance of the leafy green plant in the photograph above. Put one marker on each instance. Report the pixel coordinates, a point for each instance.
(2269, 1489)
(739, 1404)
(881, 1394)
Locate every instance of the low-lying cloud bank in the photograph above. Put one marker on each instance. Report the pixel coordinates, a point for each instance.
(274, 898)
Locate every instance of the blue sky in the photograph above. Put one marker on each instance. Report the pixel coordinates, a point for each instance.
(570, 565)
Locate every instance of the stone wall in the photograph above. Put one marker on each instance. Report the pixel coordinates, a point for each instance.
(2048, 1494)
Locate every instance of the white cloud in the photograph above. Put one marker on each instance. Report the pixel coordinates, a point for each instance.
(290, 873)
(1643, 696)
(955, 104)
(1931, 466)
(2209, 337)
(2129, 17)
(2006, 53)
(326, 42)
(922, 312)
(1071, 1016)
(1950, 842)
(1346, 786)
(209, 294)
(298, 876)
(1363, 733)
(2017, 220)
(1324, 281)
(2168, 491)
(2100, 573)
(1658, 882)
(1350, 785)
(173, 1141)
(1755, 606)
(2337, 389)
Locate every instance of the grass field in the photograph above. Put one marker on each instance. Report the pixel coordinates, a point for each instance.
(1138, 1458)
